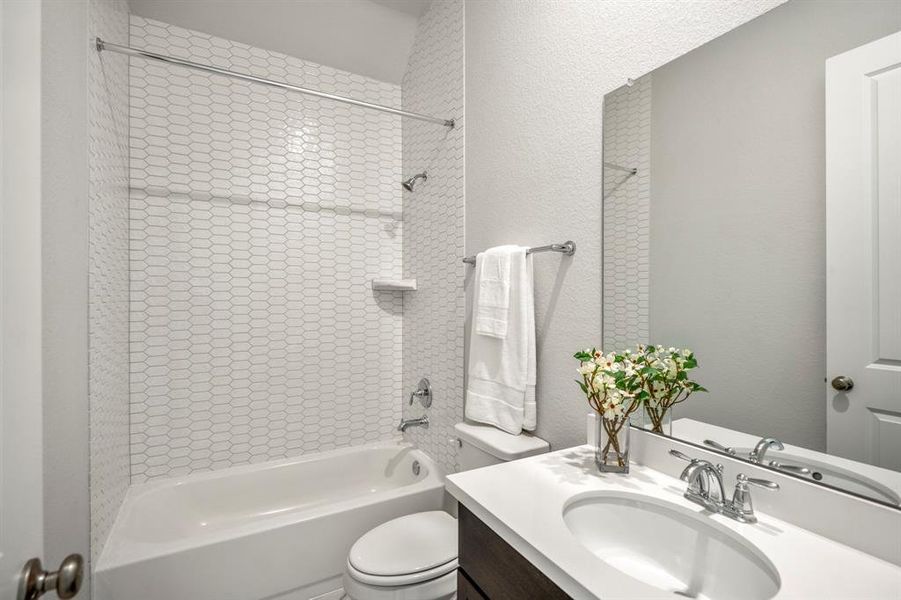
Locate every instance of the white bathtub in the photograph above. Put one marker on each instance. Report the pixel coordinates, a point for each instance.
(274, 530)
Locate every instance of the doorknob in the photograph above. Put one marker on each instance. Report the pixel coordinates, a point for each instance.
(842, 383)
(35, 581)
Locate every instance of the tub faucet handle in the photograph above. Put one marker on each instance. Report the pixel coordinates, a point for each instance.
(423, 391)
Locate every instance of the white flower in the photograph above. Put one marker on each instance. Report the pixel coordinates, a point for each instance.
(613, 407)
(586, 368)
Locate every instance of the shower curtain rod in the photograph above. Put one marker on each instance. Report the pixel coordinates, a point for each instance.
(128, 51)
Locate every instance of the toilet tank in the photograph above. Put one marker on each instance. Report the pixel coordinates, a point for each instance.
(484, 445)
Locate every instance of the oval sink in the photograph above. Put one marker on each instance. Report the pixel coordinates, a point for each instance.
(833, 475)
(670, 547)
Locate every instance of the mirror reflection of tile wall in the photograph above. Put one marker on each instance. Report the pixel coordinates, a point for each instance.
(627, 143)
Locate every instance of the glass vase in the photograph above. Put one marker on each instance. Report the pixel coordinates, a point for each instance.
(658, 419)
(612, 452)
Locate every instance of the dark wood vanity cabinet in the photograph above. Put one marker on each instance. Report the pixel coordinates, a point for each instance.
(490, 569)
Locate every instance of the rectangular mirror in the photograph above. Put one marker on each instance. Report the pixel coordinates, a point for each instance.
(752, 213)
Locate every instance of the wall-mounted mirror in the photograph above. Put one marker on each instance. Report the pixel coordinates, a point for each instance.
(752, 213)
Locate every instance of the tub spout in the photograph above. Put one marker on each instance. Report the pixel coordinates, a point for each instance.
(422, 421)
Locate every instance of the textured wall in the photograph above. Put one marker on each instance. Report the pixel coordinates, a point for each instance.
(433, 227)
(108, 270)
(258, 218)
(536, 75)
(751, 216)
(627, 215)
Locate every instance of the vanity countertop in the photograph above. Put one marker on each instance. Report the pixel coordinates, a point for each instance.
(523, 501)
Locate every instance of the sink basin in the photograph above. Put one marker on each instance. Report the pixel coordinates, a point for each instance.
(670, 547)
(835, 476)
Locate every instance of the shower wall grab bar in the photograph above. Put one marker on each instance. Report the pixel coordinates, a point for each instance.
(128, 51)
(568, 248)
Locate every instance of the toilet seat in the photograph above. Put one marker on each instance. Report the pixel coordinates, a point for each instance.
(401, 580)
(406, 550)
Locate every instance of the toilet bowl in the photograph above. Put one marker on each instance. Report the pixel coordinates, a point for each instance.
(414, 557)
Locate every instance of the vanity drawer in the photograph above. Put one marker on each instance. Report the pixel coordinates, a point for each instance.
(498, 571)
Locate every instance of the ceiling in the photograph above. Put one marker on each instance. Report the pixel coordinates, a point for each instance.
(368, 37)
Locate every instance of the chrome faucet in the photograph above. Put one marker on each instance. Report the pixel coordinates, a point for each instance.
(762, 446)
(422, 421)
(705, 487)
(705, 482)
(757, 455)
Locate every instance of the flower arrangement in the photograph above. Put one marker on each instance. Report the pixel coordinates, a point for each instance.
(664, 381)
(618, 384)
(610, 384)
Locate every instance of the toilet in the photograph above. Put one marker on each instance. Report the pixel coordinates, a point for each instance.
(414, 557)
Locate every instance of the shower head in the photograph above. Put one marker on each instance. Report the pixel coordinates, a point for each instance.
(410, 183)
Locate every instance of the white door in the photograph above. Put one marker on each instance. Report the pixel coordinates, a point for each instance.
(22, 485)
(21, 500)
(863, 246)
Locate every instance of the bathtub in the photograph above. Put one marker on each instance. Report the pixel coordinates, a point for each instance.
(278, 530)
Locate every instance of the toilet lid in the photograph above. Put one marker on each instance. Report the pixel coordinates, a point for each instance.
(406, 545)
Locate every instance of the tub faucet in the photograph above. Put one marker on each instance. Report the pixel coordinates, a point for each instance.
(422, 421)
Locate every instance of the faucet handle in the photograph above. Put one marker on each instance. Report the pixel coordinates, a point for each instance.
(681, 455)
(718, 446)
(423, 392)
(763, 483)
(742, 509)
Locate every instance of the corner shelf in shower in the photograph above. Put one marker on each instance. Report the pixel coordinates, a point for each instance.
(394, 285)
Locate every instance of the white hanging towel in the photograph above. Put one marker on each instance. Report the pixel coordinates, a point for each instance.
(500, 388)
(492, 311)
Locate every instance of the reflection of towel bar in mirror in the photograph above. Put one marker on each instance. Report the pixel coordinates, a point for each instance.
(619, 168)
(568, 248)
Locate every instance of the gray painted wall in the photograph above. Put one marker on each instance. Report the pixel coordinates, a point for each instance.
(536, 74)
(64, 260)
(738, 263)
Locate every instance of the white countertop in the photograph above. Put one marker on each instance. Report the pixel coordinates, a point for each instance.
(523, 502)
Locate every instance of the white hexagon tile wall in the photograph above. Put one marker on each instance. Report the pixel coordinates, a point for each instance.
(258, 218)
(433, 227)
